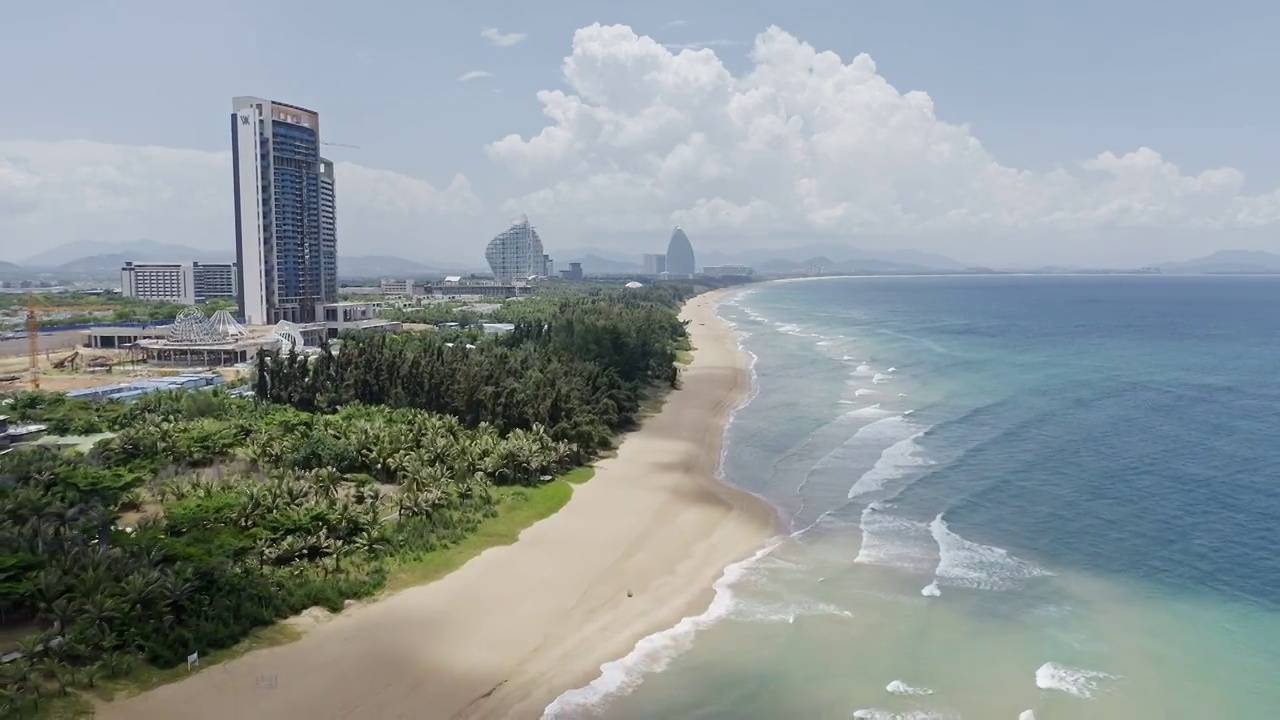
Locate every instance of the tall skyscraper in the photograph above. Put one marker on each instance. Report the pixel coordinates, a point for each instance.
(516, 253)
(680, 261)
(655, 264)
(286, 217)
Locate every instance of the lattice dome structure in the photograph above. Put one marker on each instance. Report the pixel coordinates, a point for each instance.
(290, 338)
(227, 325)
(191, 327)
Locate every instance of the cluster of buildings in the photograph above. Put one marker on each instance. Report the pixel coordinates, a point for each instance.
(679, 262)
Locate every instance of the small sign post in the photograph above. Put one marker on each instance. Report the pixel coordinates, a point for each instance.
(193, 660)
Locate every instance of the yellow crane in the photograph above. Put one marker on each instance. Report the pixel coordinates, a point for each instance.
(33, 341)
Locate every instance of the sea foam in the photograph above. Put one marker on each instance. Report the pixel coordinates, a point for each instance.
(1072, 680)
(653, 653)
(894, 462)
(967, 564)
(898, 687)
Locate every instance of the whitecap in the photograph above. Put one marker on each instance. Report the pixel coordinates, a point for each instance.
(931, 590)
(898, 687)
(966, 564)
(1027, 715)
(892, 541)
(1072, 680)
(878, 714)
(655, 652)
(894, 462)
(881, 378)
(868, 411)
(863, 391)
(864, 370)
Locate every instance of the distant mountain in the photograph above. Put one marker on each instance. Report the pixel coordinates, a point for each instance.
(843, 256)
(1227, 261)
(383, 266)
(137, 251)
(833, 256)
(593, 264)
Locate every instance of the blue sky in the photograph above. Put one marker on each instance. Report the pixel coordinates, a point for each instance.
(1040, 87)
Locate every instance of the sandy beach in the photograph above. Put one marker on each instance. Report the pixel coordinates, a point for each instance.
(505, 634)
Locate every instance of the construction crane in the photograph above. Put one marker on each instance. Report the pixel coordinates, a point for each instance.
(33, 331)
(353, 147)
(33, 341)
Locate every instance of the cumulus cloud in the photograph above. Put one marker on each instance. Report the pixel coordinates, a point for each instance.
(58, 192)
(498, 38)
(804, 142)
(474, 75)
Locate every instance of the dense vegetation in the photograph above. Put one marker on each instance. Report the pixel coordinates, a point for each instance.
(70, 309)
(206, 516)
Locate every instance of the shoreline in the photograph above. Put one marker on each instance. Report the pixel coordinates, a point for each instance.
(637, 550)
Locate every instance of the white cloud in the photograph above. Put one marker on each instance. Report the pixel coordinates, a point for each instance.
(474, 75)
(805, 143)
(58, 192)
(498, 38)
(700, 44)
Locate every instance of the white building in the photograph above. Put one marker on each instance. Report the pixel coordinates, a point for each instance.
(728, 270)
(285, 212)
(182, 283)
(163, 282)
(655, 264)
(517, 252)
(396, 287)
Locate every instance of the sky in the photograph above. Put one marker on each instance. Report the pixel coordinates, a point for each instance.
(1000, 133)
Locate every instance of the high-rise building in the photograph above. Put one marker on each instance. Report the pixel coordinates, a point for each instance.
(680, 262)
(655, 264)
(182, 283)
(286, 218)
(516, 253)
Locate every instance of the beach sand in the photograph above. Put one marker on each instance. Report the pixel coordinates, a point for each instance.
(505, 634)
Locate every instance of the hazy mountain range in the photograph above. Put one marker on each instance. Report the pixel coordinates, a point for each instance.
(94, 260)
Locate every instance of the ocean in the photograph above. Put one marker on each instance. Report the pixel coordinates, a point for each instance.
(1004, 497)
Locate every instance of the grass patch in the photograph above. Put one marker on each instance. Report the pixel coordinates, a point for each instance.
(145, 677)
(518, 508)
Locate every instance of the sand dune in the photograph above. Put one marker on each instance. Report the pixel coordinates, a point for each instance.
(508, 632)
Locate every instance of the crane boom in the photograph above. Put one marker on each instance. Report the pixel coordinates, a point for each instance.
(33, 341)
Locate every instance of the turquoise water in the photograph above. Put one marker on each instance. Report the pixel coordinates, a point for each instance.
(1008, 497)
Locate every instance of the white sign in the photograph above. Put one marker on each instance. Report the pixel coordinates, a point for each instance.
(193, 660)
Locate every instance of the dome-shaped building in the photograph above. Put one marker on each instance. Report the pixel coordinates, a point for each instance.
(517, 252)
(680, 262)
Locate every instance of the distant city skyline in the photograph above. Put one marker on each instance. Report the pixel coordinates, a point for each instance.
(989, 135)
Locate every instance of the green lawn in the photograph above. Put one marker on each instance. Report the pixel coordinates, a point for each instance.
(518, 509)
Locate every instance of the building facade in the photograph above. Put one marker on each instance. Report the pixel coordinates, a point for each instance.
(516, 253)
(680, 260)
(215, 281)
(728, 271)
(655, 264)
(396, 287)
(285, 212)
(162, 282)
(573, 273)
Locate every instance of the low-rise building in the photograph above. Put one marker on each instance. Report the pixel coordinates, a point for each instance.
(181, 283)
(728, 271)
(397, 287)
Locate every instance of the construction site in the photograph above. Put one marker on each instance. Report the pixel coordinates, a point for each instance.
(107, 357)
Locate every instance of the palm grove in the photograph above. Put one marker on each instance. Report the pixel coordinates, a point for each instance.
(205, 516)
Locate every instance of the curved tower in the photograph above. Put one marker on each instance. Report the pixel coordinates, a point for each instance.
(680, 255)
(516, 253)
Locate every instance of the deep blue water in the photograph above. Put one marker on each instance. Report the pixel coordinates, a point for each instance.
(1125, 425)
